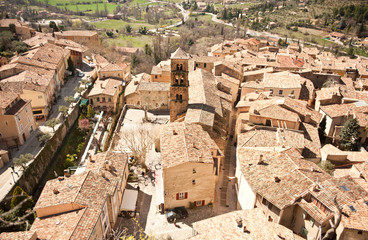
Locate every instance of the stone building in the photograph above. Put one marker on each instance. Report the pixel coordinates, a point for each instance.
(179, 84)
(190, 165)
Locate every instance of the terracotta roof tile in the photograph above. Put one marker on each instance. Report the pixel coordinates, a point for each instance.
(192, 144)
(225, 227)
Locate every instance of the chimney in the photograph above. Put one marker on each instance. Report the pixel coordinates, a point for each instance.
(55, 191)
(307, 118)
(107, 165)
(260, 161)
(101, 85)
(239, 222)
(174, 132)
(277, 179)
(103, 174)
(66, 173)
(245, 229)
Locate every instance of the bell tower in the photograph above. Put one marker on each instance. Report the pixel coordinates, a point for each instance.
(179, 84)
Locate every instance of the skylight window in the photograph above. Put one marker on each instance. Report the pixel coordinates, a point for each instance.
(352, 208)
(345, 188)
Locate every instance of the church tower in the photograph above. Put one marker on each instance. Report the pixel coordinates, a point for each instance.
(179, 84)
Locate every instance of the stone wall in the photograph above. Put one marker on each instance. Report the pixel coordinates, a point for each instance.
(33, 174)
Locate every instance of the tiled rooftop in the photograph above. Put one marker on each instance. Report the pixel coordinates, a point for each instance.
(192, 144)
(225, 227)
(107, 87)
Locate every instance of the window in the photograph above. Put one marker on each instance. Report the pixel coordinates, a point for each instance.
(26, 109)
(18, 118)
(98, 99)
(193, 181)
(180, 97)
(21, 127)
(352, 208)
(109, 99)
(205, 65)
(194, 170)
(177, 96)
(156, 76)
(199, 203)
(280, 92)
(6, 123)
(360, 232)
(345, 188)
(303, 232)
(182, 195)
(103, 99)
(196, 64)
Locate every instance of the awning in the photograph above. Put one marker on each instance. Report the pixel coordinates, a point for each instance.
(159, 187)
(129, 200)
(83, 102)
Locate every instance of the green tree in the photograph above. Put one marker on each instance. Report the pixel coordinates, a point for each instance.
(52, 123)
(71, 65)
(12, 28)
(22, 160)
(90, 112)
(128, 28)
(43, 137)
(64, 110)
(351, 52)
(18, 196)
(69, 99)
(349, 135)
(147, 49)
(79, 89)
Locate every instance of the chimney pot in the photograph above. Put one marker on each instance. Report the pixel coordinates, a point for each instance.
(239, 222)
(277, 179)
(260, 161)
(55, 191)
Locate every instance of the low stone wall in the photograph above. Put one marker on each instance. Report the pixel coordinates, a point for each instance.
(32, 176)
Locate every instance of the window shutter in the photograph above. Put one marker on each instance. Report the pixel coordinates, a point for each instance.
(177, 196)
(203, 202)
(186, 195)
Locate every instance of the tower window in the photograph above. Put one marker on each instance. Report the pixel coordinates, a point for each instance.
(180, 97)
(176, 81)
(177, 67)
(181, 81)
(177, 96)
(181, 67)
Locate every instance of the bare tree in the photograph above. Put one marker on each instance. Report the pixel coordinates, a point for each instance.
(331, 233)
(139, 141)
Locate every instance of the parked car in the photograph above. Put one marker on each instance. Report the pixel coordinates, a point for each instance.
(178, 213)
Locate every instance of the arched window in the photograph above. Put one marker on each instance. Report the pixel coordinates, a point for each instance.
(177, 96)
(177, 67)
(181, 81)
(181, 67)
(176, 81)
(180, 97)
